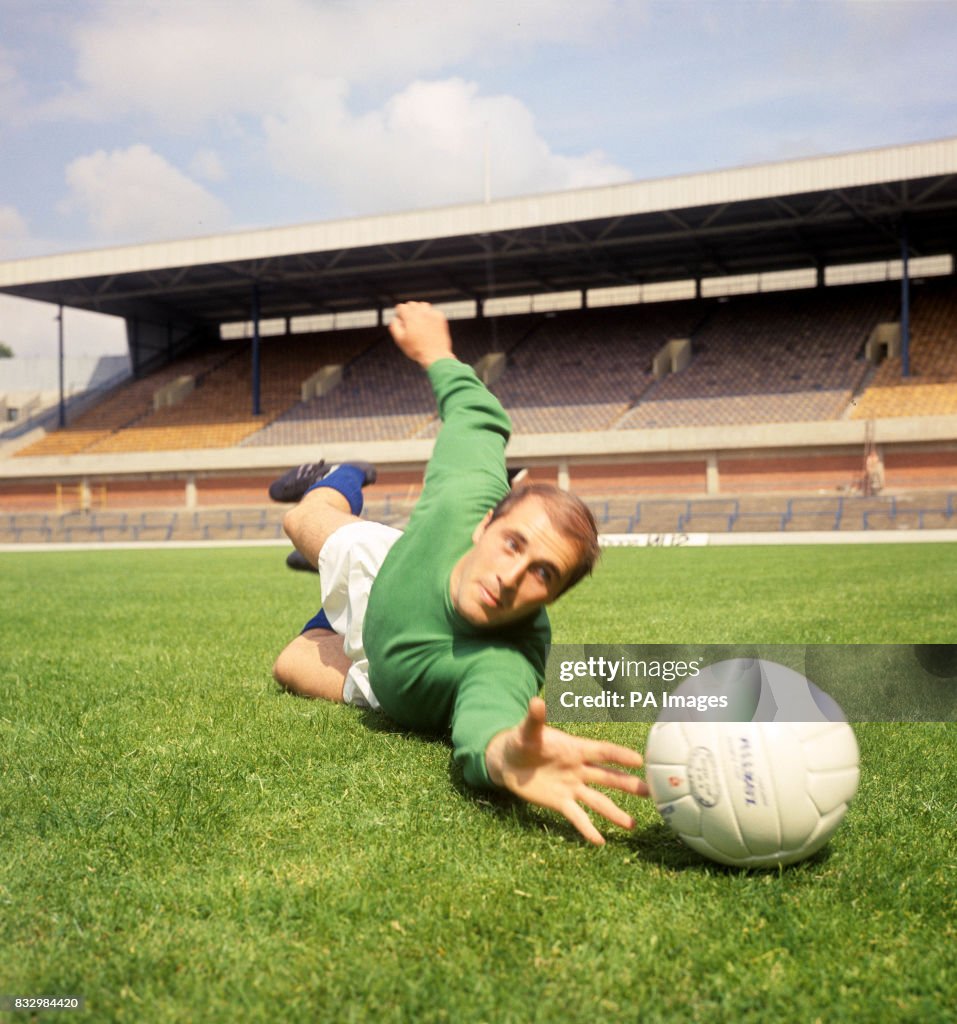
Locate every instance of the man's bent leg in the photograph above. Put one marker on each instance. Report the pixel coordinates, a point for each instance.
(313, 521)
(313, 665)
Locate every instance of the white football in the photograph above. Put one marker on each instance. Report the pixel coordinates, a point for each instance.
(752, 794)
(750, 689)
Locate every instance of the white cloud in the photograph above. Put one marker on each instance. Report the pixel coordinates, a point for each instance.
(30, 329)
(11, 89)
(13, 230)
(185, 63)
(135, 194)
(426, 146)
(303, 85)
(207, 165)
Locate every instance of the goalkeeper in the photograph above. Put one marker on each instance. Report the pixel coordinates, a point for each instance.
(443, 626)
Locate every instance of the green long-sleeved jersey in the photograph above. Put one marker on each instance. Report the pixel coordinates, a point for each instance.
(430, 669)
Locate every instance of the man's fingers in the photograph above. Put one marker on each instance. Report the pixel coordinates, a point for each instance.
(600, 804)
(534, 722)
(606, 807)
(583, 823)
(600, 752)
(536, 707)
(612, 778)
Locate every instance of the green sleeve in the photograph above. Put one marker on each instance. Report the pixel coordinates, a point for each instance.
(470, 448)
(488, 702)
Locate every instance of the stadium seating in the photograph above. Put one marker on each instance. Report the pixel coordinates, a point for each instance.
(931, 387)
(777, 358)
(379, 398)
(382, 395)
(582, 370)
(569, 371)
(785, 357)
(217, 414)
(765, 358)
(126, 406)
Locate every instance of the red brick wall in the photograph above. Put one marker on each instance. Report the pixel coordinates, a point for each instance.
(921, 469)
(742, 475)
(679, 477)
(739, 474)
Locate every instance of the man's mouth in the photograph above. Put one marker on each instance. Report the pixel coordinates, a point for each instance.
(487, 597)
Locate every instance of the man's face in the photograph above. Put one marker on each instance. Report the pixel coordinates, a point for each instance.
(517, 563)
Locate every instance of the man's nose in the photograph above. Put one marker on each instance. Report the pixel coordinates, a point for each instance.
(510, 575)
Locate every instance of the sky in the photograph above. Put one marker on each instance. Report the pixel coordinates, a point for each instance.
(127, 121)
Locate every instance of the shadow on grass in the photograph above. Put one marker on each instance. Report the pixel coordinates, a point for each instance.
(374, 721)
(377, 721)
(511, 812)
(654, 843)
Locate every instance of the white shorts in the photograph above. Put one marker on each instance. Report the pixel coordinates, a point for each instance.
(348, 565)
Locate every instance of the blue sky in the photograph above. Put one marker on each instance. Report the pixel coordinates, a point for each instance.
(125, 121)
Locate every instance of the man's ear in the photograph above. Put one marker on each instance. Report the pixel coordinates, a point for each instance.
(480, 529)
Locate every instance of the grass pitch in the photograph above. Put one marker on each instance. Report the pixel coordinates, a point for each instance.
(180, 841)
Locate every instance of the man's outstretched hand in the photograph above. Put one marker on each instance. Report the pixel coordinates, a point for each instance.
(421, 332)
(553, 769)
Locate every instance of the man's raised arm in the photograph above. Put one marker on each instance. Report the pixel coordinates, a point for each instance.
(422, 333)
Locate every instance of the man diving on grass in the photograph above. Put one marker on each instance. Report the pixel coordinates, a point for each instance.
(443, 626)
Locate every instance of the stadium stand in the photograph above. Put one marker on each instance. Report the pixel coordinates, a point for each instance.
(571, 370)
(582, 369)
(379, 397)
(125, 406)
(776, 358)
(731, 411)
(931, 387)
(759, 358)
(216, 412)
(382, 395)
(766, 358)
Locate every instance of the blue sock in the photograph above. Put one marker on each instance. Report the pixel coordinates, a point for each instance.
(348, 481)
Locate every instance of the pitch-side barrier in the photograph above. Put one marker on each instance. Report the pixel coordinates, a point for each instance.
(702, 540)
(606, 540)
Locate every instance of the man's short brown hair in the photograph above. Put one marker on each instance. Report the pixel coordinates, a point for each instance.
(569, 515)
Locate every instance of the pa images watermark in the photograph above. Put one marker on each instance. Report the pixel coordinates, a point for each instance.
(760, 683)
